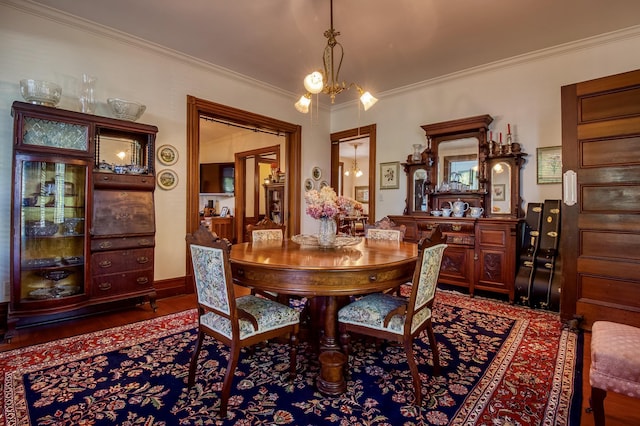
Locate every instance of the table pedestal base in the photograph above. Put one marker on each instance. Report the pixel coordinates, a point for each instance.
(331, 379)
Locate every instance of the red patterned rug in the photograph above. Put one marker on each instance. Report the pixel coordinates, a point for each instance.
(501, 365)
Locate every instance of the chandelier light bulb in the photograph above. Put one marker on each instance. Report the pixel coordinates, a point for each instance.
(314, 82)
(303, 103)
(367, 100)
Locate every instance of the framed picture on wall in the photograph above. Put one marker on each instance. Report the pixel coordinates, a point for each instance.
(362, 194)
(549, 164)
(390, 175)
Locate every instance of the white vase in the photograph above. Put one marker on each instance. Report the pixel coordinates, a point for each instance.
(327, 232)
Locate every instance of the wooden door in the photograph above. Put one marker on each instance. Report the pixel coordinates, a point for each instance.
(601, 232)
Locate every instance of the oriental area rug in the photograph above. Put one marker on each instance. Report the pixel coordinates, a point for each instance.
(501, 365)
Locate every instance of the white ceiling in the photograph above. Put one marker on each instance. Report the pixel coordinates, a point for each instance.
(388, 44)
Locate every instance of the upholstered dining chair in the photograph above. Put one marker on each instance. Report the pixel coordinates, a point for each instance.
(266, 230)
(398, 319)
(236, 322)
(385, 229)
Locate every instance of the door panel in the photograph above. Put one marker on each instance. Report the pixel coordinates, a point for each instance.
(601, 233)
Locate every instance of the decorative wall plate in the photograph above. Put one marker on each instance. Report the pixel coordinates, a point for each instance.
(167, 155)
(167, 179)
(308, 184)
(316, 173)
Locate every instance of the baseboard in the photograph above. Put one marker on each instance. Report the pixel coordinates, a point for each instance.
(164, 288)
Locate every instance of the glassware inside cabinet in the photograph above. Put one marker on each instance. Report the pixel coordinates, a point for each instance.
(52, 229)
(123, 152)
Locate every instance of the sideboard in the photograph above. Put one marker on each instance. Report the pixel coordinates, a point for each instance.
(481, 252)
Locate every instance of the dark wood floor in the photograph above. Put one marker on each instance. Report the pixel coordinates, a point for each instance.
(620, 410)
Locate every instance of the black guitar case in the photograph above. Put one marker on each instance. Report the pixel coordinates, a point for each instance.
(545, 291)
(528, 249)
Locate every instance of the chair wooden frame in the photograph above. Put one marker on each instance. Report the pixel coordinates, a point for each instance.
(421, 298)
(385, 224)
(265, 224)
(226, 311)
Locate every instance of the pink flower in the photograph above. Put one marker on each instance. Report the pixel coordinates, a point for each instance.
(326, 204)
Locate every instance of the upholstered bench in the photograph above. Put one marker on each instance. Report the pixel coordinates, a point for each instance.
(615, 363)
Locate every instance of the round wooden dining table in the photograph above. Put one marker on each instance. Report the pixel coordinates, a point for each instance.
(290, 268)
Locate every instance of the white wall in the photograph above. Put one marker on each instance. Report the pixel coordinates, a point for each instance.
(523, 91)
(35, 43)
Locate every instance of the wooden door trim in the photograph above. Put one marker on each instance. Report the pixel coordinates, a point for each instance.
(293, 158)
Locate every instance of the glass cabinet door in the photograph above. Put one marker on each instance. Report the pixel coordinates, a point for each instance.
(50, 241)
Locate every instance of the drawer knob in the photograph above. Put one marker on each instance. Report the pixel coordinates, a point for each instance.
(142, 280)
(105, 264)
(104, 286)
(105, 244)
(142, 260)
(144, 242)
(373, 278)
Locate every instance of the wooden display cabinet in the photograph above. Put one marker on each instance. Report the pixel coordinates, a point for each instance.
(66, 209)
(460, 163)
(274, 205)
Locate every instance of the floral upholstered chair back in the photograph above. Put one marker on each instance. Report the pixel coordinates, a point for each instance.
(385, 229)
(212, 276)
(423, 289)
(266, 230)
(384, 234)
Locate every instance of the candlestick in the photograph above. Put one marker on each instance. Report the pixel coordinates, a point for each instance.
(508, 128)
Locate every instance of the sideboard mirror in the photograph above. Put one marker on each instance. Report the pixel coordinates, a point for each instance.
(459, 162)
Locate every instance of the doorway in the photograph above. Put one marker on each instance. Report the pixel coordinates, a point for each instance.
(197, 108)
(345, 139)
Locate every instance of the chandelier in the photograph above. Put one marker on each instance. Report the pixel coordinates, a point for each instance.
(355, 169)
(328, 81)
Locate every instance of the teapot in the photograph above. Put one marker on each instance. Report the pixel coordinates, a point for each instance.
(459, 207)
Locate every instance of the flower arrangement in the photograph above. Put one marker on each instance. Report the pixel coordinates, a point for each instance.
(326, 204)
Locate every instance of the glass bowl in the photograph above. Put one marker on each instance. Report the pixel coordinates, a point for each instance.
(40, 92)
(126, 110)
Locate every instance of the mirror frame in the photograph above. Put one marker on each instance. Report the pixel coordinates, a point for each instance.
(471, 127)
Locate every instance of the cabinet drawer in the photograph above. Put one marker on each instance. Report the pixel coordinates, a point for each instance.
(460, 239)
(492, 237)
(115, 181)
(121, 261)
(108, 285)
(103, 244)
(122, 213)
